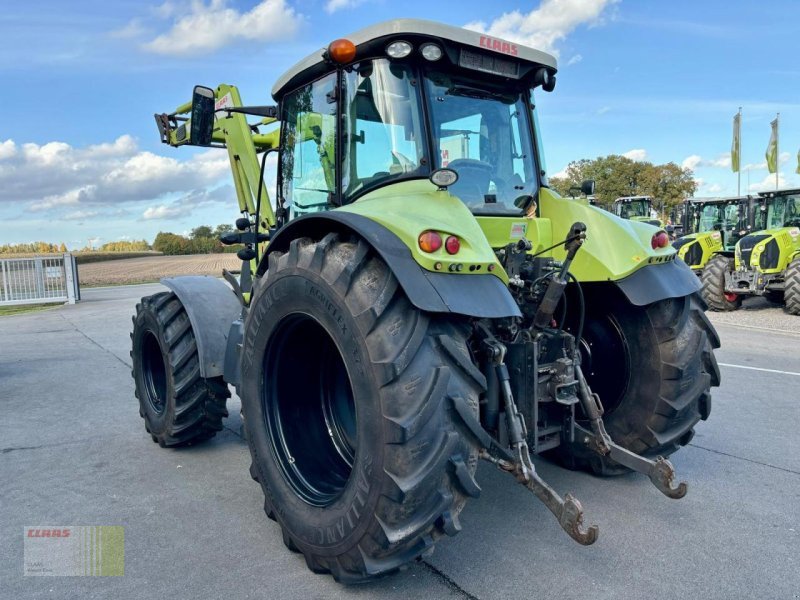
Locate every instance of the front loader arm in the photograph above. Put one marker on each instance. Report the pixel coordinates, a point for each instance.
(241, 139)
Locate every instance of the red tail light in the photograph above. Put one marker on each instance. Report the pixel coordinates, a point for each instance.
(660, 240)
(452, 244)
(429, 241)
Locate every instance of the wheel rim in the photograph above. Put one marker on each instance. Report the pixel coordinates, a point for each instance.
(605, 360)
(309, 409)
(154, 372)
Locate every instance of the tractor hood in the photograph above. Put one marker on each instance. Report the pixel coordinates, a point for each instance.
(614, 247)
(696, 248)
(768, 251)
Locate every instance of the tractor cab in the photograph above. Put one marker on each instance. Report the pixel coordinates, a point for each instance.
(637, 208)
(766, 258)
(713, 226)
(731, 217)
(778, 209)
(400, 100)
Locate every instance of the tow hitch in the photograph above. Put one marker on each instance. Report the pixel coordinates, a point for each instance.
(567, 510)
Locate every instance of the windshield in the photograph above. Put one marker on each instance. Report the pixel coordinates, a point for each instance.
(633, 208)
(382, 138)
(485, 137)
(718, 217)
(783, 211)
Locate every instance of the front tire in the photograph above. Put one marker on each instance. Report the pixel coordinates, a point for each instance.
(791, 294)
(712, 281)
(348, 395)
(653, 367)
(178, 406)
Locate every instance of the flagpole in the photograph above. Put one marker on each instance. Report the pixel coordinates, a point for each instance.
(739, 153)
(777, 149)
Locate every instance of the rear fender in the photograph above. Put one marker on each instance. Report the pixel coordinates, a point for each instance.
(474, 295)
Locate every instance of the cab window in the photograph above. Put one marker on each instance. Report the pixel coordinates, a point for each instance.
(308, 167)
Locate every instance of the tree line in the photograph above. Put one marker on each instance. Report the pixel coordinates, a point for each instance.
(201, 240)
(617, 176)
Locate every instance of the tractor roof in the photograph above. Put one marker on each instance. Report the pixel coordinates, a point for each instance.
(381, 34)
(632, 198)
(786, 192)
(717, 199)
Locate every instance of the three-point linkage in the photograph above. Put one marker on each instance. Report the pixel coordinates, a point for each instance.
(567, 510)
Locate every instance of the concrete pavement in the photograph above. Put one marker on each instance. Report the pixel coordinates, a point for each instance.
(74, 452)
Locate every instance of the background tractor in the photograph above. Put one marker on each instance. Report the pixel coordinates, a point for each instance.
(765, 263)
(637, 208)
(712, 227)
(424, 301)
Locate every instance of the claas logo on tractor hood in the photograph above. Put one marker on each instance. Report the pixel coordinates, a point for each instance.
(498, 45)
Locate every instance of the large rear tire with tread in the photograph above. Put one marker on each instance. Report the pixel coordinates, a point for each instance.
(349, 395)
(653, 367)
(712, 281)
(791, 294)
(178, 406)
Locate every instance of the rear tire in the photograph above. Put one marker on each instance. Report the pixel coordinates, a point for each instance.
(791, 294)
(178, 406)
(348, 394)
(712, 281)
(653, 367)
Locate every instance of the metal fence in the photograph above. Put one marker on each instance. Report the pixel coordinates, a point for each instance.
(38, 280)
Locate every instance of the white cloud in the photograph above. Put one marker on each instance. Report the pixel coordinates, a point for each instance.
(714, 188)
(603, 110)
(545, 26)
(768, 183)
(695, 160)
(208, 27)
(782, 159)
(691, 162)
(161, 212)
(637, 154)
(56, 175)
(574, 60)
(331, 6)
(79, 215)
(7, 149)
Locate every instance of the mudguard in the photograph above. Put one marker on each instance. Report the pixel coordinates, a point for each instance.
(652, 283)
(212, 307)
(479, 295)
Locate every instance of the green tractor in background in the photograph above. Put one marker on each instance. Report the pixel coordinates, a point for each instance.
(637, 208)
(713, 226)
(765, 263)
(416, 298)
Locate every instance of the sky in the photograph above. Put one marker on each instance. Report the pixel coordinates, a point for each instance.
(81, 162)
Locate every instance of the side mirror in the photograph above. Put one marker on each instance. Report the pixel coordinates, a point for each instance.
(202, 124)
(587, 187)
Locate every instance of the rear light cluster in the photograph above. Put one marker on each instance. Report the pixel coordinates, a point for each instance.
(660, 239)
(431, 241)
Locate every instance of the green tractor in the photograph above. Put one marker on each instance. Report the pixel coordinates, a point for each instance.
(765, 263)
(637, 208)
(416, 298)
(712, 226)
